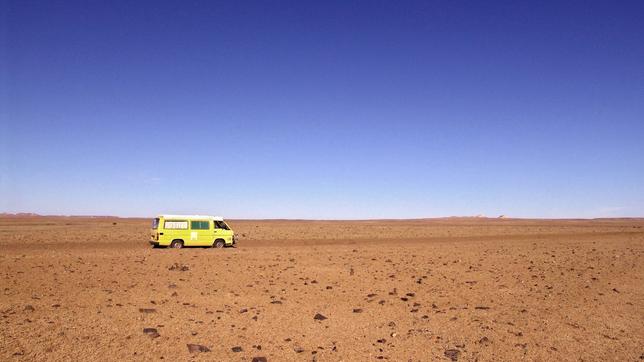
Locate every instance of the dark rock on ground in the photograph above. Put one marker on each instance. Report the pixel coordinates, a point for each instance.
(197, 348)
(319, 317)
(179, 267)
(452, 354)
(237, 349)
(152, 332)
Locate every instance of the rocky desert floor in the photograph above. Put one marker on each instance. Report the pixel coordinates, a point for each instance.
(398, 290)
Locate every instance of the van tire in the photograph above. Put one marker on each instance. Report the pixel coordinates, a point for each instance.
(219, 243)
(176, 244)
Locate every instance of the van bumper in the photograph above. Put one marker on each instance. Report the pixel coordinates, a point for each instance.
(154, 242)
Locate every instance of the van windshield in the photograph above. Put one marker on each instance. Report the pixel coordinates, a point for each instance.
(155, 223)
(221, 225)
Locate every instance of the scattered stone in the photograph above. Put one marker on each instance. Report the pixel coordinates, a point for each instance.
(319, 317)
(152, 332)
(259, 359)
(243, 310)
(357, 310)
(179, 267)
(237, 349)
(482, 307)
(452, 354)
(484, 341)
(276, 302)
(29, 308)
(197, 348)
(147, 310)
(298, 349)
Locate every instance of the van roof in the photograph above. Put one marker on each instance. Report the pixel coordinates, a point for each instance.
(190, 217)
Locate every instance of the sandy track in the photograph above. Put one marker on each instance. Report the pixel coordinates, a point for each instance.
(75, 288)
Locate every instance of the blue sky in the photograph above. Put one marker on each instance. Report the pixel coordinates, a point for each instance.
(303, 109)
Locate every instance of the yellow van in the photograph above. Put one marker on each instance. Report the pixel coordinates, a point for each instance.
(177, 231)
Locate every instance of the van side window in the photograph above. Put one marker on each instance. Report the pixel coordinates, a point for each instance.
(175, 224)
(220, 225)
(200, 225)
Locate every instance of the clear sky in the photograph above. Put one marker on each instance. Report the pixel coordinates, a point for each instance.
(322, 109)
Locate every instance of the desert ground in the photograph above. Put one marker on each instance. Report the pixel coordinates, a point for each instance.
(463, 289)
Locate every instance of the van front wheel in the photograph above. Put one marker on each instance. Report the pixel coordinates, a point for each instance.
(219, 244)
(176, 244)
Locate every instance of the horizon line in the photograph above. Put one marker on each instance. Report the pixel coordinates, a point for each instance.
(501, 217)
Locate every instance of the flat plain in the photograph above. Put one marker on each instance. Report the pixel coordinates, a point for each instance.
(462, 289)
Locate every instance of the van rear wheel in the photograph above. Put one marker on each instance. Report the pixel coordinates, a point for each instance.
(176, 244)
(219, 244)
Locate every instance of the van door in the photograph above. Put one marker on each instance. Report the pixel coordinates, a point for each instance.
(200, 234)
(222, 231)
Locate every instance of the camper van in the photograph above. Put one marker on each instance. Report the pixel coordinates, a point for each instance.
(177, 231)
